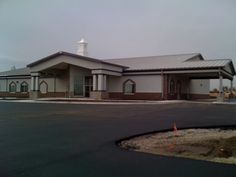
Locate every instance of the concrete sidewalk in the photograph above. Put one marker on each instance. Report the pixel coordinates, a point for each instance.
(114, 102)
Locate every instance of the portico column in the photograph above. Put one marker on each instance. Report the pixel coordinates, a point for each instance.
(36, 83)
(162, 85)
(32, 83)
(231, 86)
(221, 93)
(95, 86)
(100, 82)
(34, 92)
(104, 82)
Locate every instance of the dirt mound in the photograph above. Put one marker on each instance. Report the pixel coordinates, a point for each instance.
(216, 145)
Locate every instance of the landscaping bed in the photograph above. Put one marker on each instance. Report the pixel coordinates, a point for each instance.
(216, 145)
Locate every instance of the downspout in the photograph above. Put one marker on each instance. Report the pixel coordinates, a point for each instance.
(7, 84)
(68, 82)
(221, 93)
(54, 83)
(162, 85)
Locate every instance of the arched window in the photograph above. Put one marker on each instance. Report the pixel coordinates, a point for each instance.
(24, 87)
(12, 87)
(129, 87)
(43, 87)
(172, 86)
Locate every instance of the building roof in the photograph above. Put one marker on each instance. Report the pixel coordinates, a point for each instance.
(153, 62)
(16, 72)
(72, 55)
(168, 62)
(164, 62)
(204, 63)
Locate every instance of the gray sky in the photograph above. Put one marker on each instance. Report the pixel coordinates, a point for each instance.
(32, 29)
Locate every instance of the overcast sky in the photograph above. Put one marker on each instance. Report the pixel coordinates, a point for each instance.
(32, 29)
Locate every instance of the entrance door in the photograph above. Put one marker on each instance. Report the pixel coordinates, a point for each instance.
(178, 88)
(79, 86)
(88, 85)
(83, 85)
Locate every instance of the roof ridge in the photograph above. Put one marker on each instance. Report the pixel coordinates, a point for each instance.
(154, 56)
(218, 59)
(72, 55)
(13, 70)
(206, 60)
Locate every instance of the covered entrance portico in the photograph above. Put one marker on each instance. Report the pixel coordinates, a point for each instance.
(72, 76)
(176, 84)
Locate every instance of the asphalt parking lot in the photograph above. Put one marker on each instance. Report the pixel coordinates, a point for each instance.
(66, 140)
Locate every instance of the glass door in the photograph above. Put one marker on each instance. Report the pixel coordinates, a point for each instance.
(88, 87)
(79, 86)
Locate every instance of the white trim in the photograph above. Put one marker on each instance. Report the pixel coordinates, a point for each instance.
(227, 74)
(171, 72)
(106, 72)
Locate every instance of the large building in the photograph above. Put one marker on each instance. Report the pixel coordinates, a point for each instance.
(63, 74)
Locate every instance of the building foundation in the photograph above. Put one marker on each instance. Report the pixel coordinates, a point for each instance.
(34, 95)
(99, 95)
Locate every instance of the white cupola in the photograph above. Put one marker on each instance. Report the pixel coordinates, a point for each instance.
(82, 48)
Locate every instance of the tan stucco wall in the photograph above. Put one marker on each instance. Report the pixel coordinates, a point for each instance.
(144, 84)
(4, 84)
(150, 83)
(61, 84)
(50, 83)
(199, 86)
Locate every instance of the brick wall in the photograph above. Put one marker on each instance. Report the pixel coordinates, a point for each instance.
(135, 96)
(199, 96)
(52, 94)
(17, 94)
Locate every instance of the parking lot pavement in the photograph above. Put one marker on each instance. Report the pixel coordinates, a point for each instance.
(70, 140)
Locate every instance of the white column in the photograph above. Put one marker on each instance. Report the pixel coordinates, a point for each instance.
(221, 93)
(105, 82)
(162, 85)
(32, 83)
(37, 83)
(100, 82)
(95, 82)
(221, 84)
(231, 86)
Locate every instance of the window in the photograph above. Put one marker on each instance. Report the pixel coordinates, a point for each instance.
(12, 87)
(129, 87)
(24, 87)
(43, 87)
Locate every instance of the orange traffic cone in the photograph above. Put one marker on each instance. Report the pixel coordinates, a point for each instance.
(174, 127)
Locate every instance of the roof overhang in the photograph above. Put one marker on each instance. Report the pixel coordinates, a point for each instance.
(194, 73)
(60, 58)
